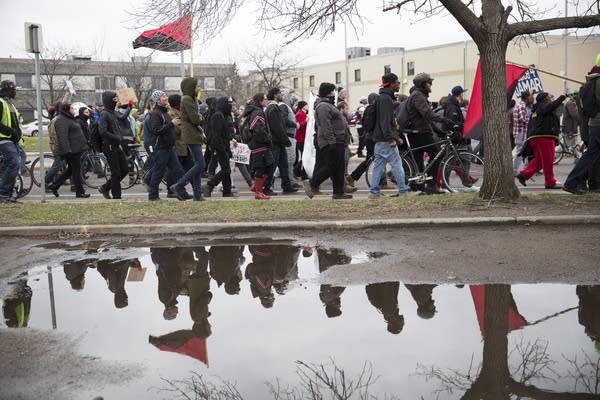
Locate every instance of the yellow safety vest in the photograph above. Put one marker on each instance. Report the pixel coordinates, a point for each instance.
(7, 109)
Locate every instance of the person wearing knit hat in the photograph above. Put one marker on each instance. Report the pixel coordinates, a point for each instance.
(157, 94)
(542, 131)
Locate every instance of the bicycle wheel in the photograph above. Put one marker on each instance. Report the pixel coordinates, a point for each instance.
(559, 152)
(129, 180)
(48, 163)
(387, 180)
(462, 173)
(27, 179)
(93, 172)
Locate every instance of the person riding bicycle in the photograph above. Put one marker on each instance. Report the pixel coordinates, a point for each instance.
(421, 118)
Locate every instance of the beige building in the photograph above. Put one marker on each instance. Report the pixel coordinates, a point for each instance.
(450, 65)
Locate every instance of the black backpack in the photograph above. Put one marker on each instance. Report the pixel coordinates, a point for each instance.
(95, 138)
(369, 117)
(245, 131)
(402, 119)
(587, 99)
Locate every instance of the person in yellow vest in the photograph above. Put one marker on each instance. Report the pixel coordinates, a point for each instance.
(10, 134)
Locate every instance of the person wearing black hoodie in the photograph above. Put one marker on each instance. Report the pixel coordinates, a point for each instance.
(220, 133)
(71, 142)
(110, 132)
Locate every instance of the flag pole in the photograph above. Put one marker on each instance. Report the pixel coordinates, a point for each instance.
(182, 61)
(547, 72)
(191, 50)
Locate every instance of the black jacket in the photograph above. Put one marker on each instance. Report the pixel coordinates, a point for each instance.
(420, 113)
(161, 128)
(108, 127)
(276, 125)
(385, 127)
(82, 120)
(330, 126)
(543, 120)
(219, 128)
(70, 138)
(255, 117)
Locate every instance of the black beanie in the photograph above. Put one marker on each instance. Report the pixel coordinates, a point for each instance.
(175, 100)
(325, 88)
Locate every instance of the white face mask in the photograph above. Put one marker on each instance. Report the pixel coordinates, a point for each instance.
(123, 111)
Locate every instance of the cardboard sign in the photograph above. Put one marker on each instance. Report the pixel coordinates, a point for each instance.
(126, 94)
(529, 81)
(136, 274)
(241, 153)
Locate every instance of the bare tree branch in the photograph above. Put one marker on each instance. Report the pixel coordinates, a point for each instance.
(542, 25)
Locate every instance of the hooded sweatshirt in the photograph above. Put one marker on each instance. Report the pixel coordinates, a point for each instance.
(256, 120)
(108, 127)
(191, 119)
(221, 132)
(289, 119)
(70, 138)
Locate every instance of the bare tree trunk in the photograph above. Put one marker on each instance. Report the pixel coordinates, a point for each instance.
(498, 180)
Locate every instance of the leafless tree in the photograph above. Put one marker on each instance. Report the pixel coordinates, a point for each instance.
(491, 24)
(233, 84)
(271, 65)
(136, 76)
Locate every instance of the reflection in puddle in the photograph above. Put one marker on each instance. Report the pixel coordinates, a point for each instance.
(251, 314)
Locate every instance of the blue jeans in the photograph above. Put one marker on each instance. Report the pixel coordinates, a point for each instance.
(194, 174)
(162, 159)
(10, 169)
(586, 161)
(386, 154)
(281, 162)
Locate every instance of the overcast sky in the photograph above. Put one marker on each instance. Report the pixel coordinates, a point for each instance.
(100, 29)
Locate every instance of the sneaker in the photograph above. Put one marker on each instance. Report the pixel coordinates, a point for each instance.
(521, 180)
(373, 196)
(104, 192)
(290, 190)
(342, 196)
(557, 185)
(398, 194)
(230, 194)
(574, 190)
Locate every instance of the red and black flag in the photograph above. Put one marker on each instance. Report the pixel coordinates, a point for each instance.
(473, 128)
(174, 36)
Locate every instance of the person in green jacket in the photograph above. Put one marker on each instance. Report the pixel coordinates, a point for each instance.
(192, 135)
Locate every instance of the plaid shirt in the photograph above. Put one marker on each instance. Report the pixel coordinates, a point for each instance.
(520, 120)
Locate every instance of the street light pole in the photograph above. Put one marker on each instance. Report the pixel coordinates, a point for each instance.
(346, 59)
(566, 44)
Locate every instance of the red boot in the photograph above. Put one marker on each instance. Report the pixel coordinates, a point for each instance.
(258, 189)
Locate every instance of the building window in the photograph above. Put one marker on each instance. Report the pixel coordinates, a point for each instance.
(23, 81)
(387, 69)
(357, 75)
(295, 83)
(104, 82)
(410, 68)
(158, 82)
(311, 81)
(338, 77)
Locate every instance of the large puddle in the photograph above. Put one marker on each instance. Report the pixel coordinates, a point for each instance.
(256, 318)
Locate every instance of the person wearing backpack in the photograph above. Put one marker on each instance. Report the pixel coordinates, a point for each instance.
(590, 107)
(387, 138)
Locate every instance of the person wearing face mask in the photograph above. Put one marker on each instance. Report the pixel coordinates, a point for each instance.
(112, 138)
(71, 142)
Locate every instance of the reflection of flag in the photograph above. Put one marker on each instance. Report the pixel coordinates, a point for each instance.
(515, 320)
(473, 122)
(174, 36)
(182, 342)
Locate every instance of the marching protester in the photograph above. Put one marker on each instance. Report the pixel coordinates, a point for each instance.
(520, 120)
(302, 120)
(10, 134)
(542, 132)
(331, 141)
(261, 159)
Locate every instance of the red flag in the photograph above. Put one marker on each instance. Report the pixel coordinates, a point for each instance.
(515, 319)
(183, 342)
(174, 36)
(473, 128)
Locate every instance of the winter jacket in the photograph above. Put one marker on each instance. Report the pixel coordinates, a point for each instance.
(255, 117)
(162, 128)
(276, 125)
(329, 124)
(302, 120)
(180, 147)
(385, 127)
(595, 120)
(289, 119)
(420, 113)
(108, 126)
(191, 119)
(543, 120)
(82, 120)
(221, 131)
(570, 119)
(70, 138)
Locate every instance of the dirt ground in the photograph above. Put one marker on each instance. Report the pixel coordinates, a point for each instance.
(46, 365)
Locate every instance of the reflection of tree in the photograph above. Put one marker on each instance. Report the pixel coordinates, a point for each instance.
(494, 380)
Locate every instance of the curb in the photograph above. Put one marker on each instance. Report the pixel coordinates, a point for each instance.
(244, 227)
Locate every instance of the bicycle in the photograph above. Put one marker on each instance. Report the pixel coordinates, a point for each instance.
(92, 168)
(563, 148)
(23, 180)
(459, 168)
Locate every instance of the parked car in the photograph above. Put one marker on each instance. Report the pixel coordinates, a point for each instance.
(31, 128)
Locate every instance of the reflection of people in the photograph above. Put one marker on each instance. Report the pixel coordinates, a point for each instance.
(170, 277)
(75, 272)
(330, 295)
(260, 273)
(422, 296)
(198, 286)
(286, 267)
(115, 274)
(225, 263)
(16, 307)
(384, 297)
(589, 311)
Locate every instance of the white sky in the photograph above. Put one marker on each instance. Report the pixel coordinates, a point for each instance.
(100, 29)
